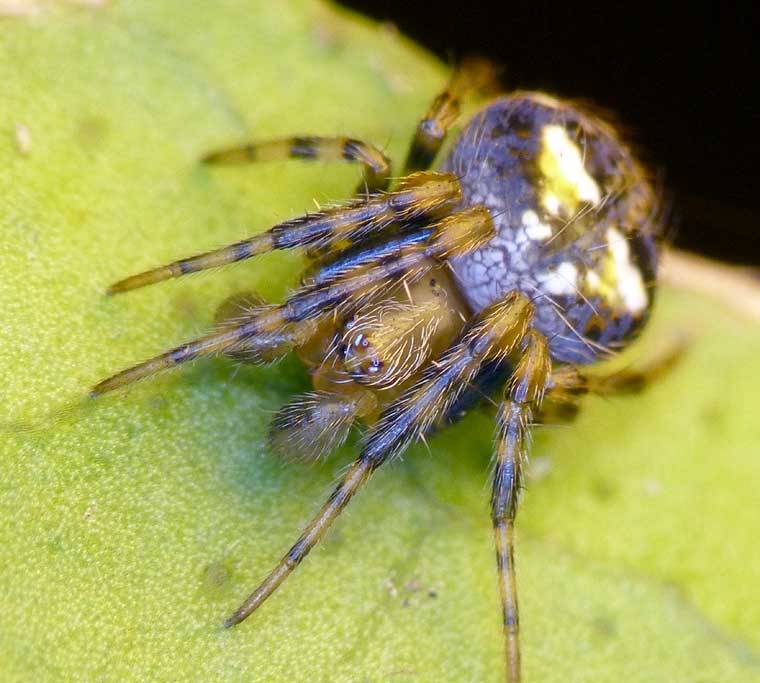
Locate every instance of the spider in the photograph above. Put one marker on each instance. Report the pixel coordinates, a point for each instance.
(527, 255)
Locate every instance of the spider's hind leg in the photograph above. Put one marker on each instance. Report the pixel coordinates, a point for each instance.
(569, 384)
(377, 166)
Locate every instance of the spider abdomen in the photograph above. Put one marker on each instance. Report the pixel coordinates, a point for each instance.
(576, 216)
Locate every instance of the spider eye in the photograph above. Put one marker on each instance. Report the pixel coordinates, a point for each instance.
(360, 357)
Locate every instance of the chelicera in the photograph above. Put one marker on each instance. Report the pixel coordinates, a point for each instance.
(529, 254)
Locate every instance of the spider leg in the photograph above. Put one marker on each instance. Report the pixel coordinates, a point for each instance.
(234, 310)
(240, 336)
(355, 478)
(474, 74)
(523, 393)
(422, 195)
(531, 378)
(570, 384)
(292, 323)
(377, 166)
(493, 335)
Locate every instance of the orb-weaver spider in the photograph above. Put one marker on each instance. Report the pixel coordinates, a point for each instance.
(529, 253)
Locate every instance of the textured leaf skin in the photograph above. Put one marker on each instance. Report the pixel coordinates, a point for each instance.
(130, 530)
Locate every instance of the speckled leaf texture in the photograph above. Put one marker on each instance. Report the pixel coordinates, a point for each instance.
(129, 530)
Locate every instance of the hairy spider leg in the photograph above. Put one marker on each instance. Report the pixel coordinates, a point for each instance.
(227, 338)
(570, 384)
(417, 196)
(522, 395)
(377, 166)
(532, 378)
(473, 75)
(494, 334)
(362, 255)
(292, 323)
(236, 309)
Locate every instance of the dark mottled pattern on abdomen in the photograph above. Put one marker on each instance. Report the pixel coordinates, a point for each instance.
(496, 159)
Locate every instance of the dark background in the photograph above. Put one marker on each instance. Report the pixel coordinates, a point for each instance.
(682, 79)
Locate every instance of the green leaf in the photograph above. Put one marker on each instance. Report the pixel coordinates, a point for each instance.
(132, 529)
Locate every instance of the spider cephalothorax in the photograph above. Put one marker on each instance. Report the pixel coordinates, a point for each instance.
(531, 252)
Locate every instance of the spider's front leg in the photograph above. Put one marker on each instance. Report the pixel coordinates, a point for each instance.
(418, 196)
(522, 395)
(570, 383)
(495, 334)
